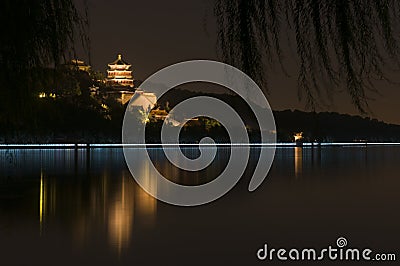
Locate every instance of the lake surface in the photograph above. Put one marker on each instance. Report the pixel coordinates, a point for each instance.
(67, 207)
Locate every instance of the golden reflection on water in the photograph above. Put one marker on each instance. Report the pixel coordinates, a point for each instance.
(298, 161)
(41, 202)
(47, 200)
(113, 204)
(146, 204)
(120, 217)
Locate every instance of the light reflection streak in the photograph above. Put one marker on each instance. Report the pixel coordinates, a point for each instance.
(298, 161)
(110, 205)
(42, 198)
(120, 218)
(115, 204)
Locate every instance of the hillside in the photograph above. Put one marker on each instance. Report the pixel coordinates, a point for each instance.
(333, 127)
(323, 126)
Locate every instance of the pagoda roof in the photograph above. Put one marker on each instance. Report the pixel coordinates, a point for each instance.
(119, 61)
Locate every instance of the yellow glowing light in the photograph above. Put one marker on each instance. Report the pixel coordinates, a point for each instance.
(42, 95)
(42, 202)
(104, 106)
(298, 136)
(144, 117)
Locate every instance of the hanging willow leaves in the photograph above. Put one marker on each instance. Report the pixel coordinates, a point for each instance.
(35, 35)
(346, 43)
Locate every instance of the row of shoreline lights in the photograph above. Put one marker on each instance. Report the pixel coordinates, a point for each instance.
(44, 95)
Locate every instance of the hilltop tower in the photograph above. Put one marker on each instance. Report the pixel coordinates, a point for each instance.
(119, 73)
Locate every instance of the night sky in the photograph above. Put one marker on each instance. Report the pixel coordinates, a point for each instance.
(154, 34)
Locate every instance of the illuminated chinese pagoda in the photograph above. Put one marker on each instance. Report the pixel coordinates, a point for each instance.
(119, 73)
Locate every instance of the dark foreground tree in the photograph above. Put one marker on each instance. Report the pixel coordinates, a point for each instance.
(35, 35)
(339, 43)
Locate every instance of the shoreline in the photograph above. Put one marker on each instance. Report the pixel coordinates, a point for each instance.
(80, 146)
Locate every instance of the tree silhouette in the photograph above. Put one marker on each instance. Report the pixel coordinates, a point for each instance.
(346, 43)
(35, 35)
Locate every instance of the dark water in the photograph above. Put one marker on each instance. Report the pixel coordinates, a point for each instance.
(61, 207)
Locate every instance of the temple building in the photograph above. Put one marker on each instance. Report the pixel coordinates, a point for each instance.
(119, 73)
(145, 100)
(119, 81)
(79, 65)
